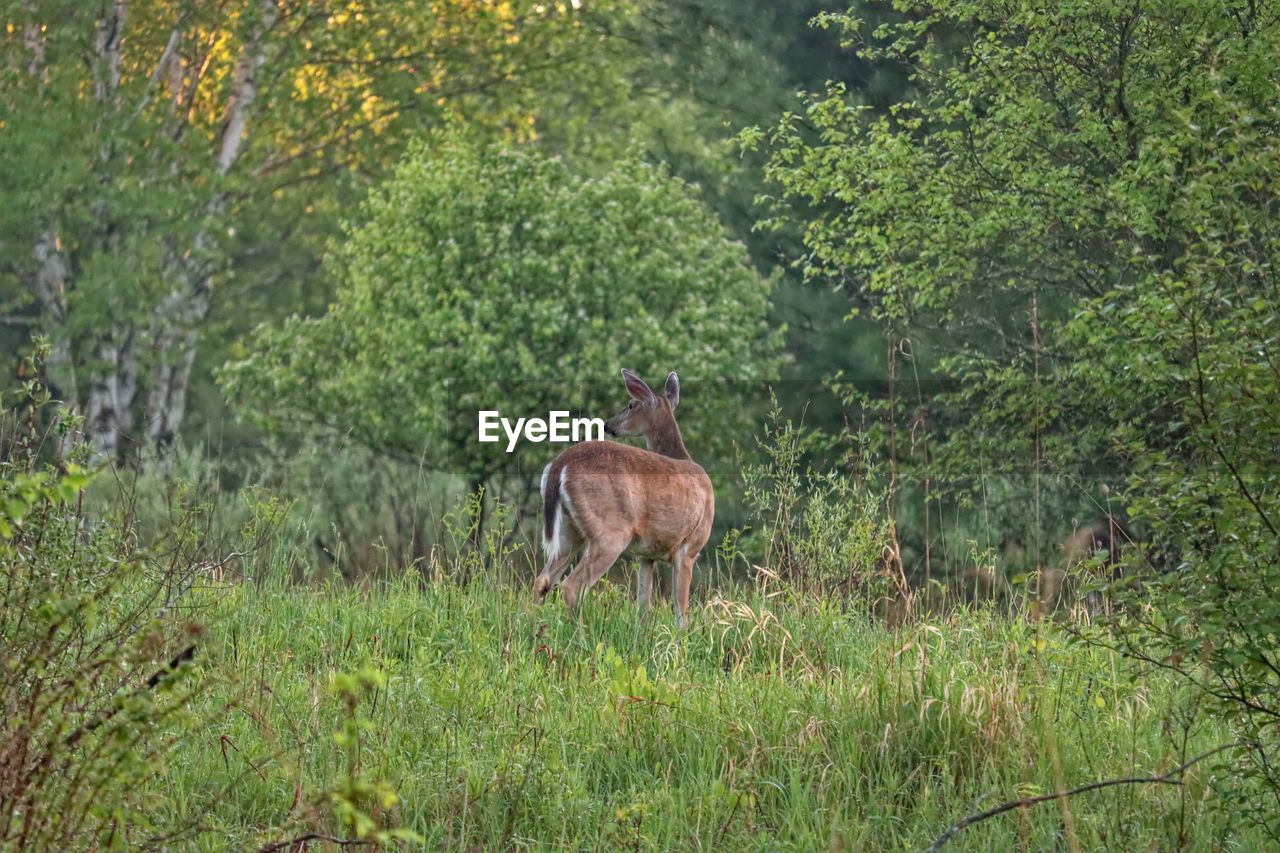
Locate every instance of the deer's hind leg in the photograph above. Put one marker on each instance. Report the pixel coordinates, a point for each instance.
(644, 584)
(551, 573)
(599, 555)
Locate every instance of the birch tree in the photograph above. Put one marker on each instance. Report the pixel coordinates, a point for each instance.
(158, 153)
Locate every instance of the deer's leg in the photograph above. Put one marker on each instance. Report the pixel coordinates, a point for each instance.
(551, 573)
(683, 571)
(644, 584)
(599, 555)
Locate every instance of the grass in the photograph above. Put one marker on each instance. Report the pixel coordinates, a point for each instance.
(771, 724)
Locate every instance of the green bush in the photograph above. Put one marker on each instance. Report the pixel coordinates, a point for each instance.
(97, 683)
(823, 531)
(497, 277)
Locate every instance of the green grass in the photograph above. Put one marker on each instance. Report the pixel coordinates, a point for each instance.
(769, 725)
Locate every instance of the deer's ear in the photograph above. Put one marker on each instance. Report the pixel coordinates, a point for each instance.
(673, 389)
(636, 387)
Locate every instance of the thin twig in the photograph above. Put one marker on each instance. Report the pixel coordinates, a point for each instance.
(180, 658)
(311, 836)
(1169, 778)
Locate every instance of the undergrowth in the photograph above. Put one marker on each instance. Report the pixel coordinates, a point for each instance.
(774, 723)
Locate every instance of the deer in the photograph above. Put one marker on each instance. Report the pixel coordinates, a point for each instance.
(603, 497)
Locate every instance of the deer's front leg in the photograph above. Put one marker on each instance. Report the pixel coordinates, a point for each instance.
(683, 570)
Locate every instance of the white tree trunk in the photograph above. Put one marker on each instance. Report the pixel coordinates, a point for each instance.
(187, 305)
(181, 316)
(109, 405)
(244, 89)
(111, 387)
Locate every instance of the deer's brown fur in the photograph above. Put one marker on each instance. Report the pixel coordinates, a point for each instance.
(602, 497)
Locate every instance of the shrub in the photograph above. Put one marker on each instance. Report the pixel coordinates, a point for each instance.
(497, 277)
(825, 531)
(97, 666)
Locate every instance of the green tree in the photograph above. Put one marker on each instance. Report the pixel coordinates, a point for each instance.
(711, 68)
(496, 277)
(1079, 204)
(161, 155)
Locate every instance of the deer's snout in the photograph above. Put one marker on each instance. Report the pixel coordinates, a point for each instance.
(609, 429)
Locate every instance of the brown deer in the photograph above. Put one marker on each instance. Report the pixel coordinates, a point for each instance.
(603, 497)
(1095, 549)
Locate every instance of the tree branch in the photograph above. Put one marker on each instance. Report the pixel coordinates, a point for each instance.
(161, 64)
(300, 842)
(1170, 778)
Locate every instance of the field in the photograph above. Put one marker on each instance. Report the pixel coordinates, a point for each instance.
(773, 723)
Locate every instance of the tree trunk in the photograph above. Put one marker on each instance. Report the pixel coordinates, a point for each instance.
(106, 399)
(175, 352)
(184, 310)
(109, 405)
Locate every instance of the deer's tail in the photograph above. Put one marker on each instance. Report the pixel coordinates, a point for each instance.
(552, 509)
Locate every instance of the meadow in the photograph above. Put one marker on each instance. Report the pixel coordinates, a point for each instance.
(775, 722)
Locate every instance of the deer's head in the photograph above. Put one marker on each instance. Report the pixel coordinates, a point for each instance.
(647, 413)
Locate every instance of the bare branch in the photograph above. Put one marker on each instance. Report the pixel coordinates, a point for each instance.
(299, 843)
(1170, 778)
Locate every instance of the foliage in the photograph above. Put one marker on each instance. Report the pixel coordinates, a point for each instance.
(823, 531)
(203, 152)
(338, 510)
(98, 687)
(534, 727)
(495, 277)
(359, 803)
(98, 638)
(715, 67)
(1080, 195)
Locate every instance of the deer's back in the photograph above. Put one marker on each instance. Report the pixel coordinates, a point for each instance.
(663, 502)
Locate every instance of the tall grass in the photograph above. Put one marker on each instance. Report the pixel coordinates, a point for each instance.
(779, 723)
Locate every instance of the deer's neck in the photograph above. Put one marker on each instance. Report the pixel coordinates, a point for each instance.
(666, 441)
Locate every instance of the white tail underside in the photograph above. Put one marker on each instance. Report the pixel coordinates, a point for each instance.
(553, 546)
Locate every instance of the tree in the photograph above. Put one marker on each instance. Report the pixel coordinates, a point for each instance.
(159, 154)
(496, 277)
(714, 67)
(1080, 205)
